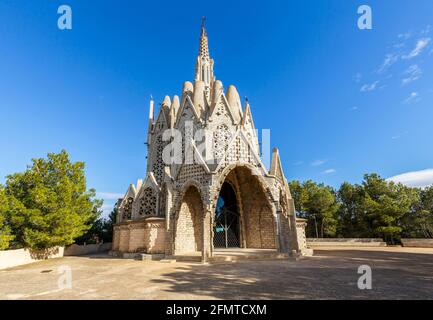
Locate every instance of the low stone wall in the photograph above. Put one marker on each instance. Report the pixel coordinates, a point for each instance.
(147, 235)
(345, 242)
(418, 243)
(80, 250)
(301, 238)
(13, 258)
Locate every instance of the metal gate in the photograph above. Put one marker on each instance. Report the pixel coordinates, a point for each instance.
(226, 229)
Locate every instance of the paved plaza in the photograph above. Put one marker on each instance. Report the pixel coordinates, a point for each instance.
(397, 273)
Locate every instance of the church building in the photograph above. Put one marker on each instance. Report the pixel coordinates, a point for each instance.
(200, 197)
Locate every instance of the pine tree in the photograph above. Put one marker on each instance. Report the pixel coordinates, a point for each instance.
(49, 202)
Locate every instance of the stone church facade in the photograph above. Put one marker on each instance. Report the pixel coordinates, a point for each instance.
(207, 191)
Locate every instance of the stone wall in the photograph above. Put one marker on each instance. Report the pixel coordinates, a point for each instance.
(155, 236)
(147, 235)
(136, 237)
(124, 238)
(418, 243)
(345, 242)
(189, 223)
(79, 250)
(260, 226)
(300, 234)
(116, 238)
(13, 258)
(256, 212)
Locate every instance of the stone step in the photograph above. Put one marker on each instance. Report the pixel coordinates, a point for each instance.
(167, 260)
(248, 256)
(218, 257)
(187, 258)
(149, 256)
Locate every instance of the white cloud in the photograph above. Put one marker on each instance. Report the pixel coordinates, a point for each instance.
(413, 73)
(354, 108)
(419, 47)
(316, 163)
(298, 163)
(413, 97)
(420, 179)
(109, 195)
(390, 59)
(369, 87)
(329, 171)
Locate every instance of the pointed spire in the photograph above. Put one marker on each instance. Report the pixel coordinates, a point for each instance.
(204, 64)
(150, 122)
(204, 46)
(276, 167)
(139, 184)
(275, 162)
(151, 107)
(165, 108)
(247, 113)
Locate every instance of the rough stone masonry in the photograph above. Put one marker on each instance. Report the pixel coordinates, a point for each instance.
(221, 198)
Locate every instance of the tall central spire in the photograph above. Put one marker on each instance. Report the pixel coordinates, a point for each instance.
(204, 46)
(204, 64)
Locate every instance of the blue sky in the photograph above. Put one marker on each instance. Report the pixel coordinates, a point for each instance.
(339, 101)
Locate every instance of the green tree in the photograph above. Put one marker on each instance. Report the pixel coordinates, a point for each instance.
(299, 195)
(386, 203)
(418, 222)
(317, 203)
(101, 230)
(323, 207)
(352, 222)
(109, 224)
(49, 202)
(5, 232)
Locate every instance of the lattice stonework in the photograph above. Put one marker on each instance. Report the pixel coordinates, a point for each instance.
(158, 165)
(148, 202)
(239, 152)
(221, 139)
(221, 109)
(193, 172)
(127, 211)
(187, 138)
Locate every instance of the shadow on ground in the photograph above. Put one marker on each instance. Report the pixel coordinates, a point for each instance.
(328, 275)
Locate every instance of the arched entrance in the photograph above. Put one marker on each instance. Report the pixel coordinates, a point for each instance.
(226, 226)
(244, 216)
(188, 234)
